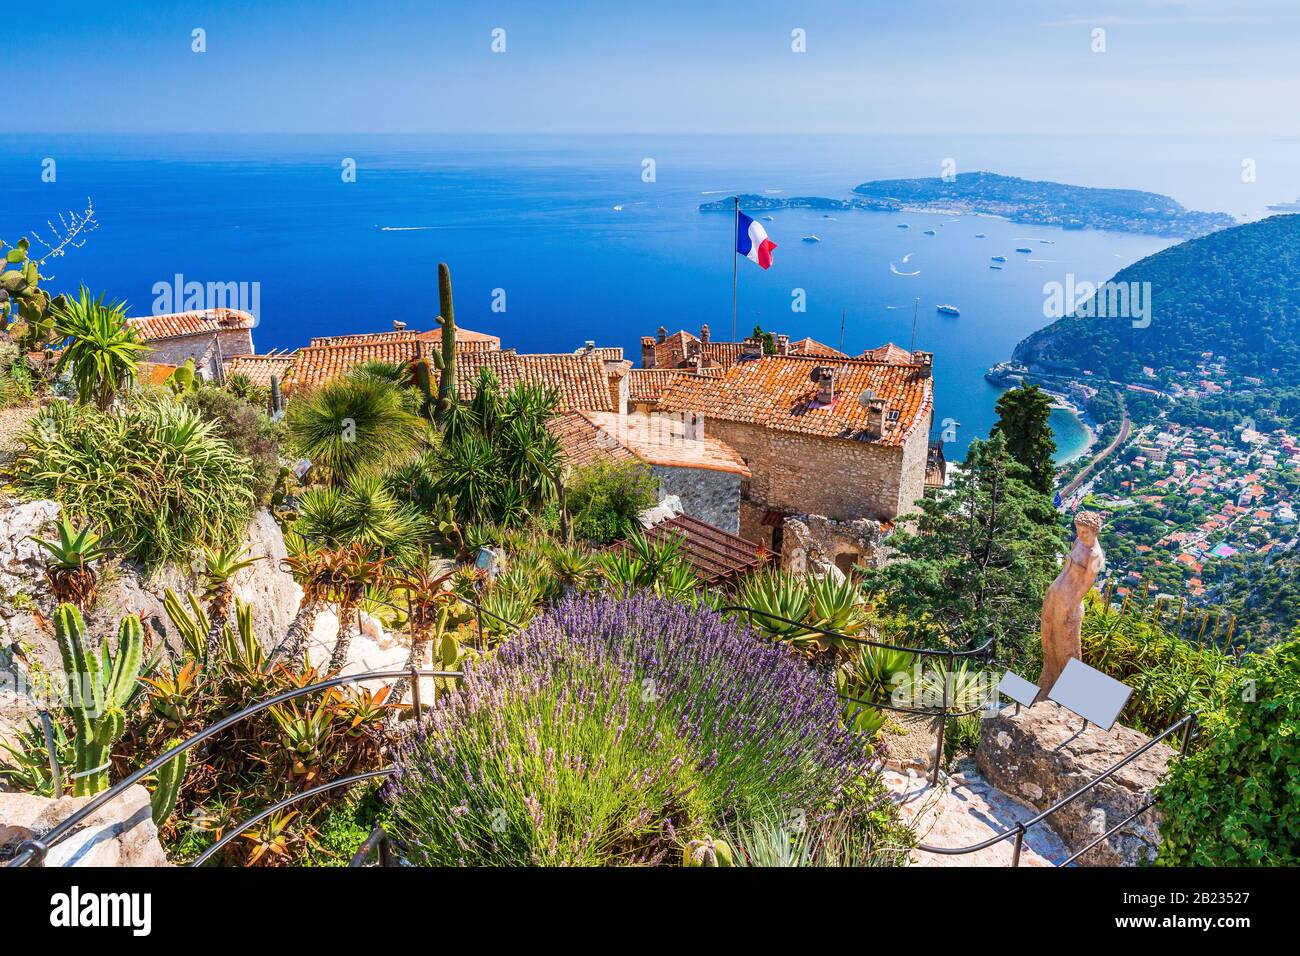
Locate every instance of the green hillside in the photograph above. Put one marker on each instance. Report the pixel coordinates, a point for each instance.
(1235, 293)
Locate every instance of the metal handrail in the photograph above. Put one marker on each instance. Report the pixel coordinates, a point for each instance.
(33, 851)
(985, 650)
(288, 802)
(1020, 829)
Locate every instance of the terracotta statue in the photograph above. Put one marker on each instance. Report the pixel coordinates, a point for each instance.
(1063, 605)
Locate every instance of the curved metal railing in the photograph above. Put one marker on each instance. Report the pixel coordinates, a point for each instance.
(1185, 724)
(33, 852)
(984, 651)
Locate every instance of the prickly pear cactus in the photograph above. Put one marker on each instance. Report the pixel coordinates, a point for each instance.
(25, 308)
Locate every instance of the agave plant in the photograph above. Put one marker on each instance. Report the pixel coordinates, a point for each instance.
(573, 567)
(69, 571)
(775, 595)
(272, 840)
(172, 696)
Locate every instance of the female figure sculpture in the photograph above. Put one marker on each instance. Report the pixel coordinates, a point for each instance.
(1063, 606)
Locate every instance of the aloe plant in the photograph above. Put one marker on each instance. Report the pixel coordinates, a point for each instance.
(69, 571)
(100, 688)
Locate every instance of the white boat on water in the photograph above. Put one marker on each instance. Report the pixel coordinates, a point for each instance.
(947, 309)
(811, 239)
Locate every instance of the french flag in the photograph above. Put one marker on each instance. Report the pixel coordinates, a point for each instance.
(752, 241)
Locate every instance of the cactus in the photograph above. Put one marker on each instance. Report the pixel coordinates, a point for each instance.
(707, 852)
(277, 400)
(182, 380)
(100, 688)
(422, 379)
(168, 788)
(446, 358)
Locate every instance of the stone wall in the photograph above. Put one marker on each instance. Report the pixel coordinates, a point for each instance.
(706, 493)
(805, 474)
(205, 349)
(810, 543)
(1041, 755)
(120, 833)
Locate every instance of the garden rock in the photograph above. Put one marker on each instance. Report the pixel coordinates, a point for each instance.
(120, 833)
(1041, 755)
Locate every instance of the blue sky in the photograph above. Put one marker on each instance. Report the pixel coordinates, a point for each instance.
(944, 66)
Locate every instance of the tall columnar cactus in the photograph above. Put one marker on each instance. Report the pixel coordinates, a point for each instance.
(446, 358)
(277, 400)
(422, 379)
(99, 689)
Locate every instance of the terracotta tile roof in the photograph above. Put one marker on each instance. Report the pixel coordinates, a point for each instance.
(151, 328)
(808, 346)
(316, 365)
(888, 353)
(259, 368)
(581, 380)
(465, 338)
(678, 350)
(777, 392)
(607, 353)
(663, 440)
(584, 443)
(156, 373)
(714, 554)
(645, 385)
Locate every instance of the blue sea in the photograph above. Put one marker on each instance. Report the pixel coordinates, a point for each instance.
(578, 238)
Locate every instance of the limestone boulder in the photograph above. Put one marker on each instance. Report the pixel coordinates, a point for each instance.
(120, 833)
(1042, 754)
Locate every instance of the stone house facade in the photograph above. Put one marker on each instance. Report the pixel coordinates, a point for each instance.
(208, 337)
(840, 445)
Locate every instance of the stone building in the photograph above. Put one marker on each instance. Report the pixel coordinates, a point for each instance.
(704, 473)
(208, 337)
(837, 448)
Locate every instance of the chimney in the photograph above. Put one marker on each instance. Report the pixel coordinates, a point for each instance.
(704, 333)
(589, 345)
(647, 351)
(693, 352)
(825, 379)
(661, 335)
(875, 417)
(783, 345)
(399, 326)
(751, 349)
(926, 362)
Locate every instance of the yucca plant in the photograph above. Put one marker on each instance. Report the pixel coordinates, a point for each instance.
(69, 571)
(101, 351)
(774, 594)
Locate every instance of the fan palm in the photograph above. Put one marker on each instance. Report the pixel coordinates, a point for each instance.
(101, 351)
(353, 425)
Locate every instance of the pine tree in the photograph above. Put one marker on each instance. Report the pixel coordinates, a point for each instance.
(978, 558)
(1023, 419)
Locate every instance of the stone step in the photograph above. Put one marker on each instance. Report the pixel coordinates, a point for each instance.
(963, 810)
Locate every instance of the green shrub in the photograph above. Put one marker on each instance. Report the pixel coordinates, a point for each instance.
(1236, 800)
(156, 478)
(1171, 678)
(605, 497)
(249, 430)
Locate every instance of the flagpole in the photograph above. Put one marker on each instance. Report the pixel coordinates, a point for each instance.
(735, 237)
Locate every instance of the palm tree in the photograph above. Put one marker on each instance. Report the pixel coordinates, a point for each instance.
(353, 425)
(101, 350)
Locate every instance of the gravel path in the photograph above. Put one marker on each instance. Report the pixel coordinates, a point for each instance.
(13, 422)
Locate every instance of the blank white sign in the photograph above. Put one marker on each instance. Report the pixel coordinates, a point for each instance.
(1091, 694)
(1018, 689)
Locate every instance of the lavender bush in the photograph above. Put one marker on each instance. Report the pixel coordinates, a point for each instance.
(612, 730)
